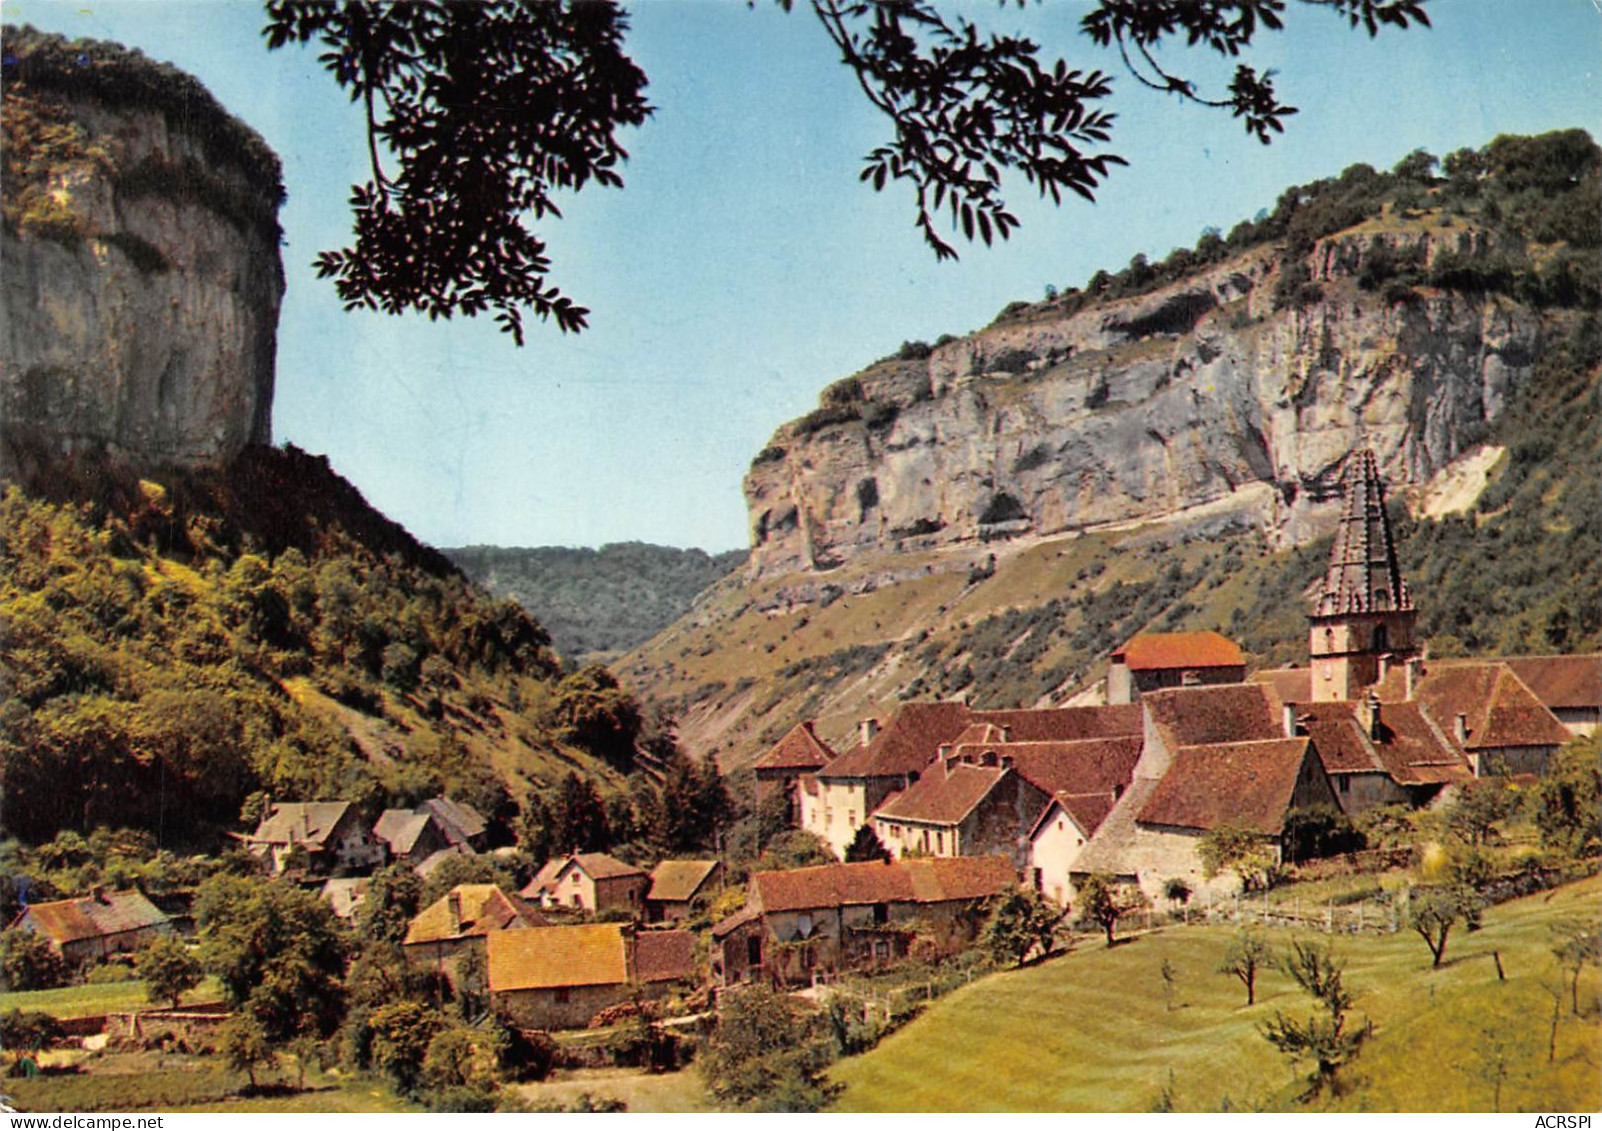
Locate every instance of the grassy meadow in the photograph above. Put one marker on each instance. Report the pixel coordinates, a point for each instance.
(90, 1001)
(1091, 1030)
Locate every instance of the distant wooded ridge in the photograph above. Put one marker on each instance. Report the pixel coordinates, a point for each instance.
(607, 600)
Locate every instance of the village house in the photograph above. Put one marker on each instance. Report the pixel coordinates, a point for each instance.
(845, 794)
(853, 916)
(94, 927)
(463, 826)
(590, 881)
(1570, 686)
(960, 808)
(1154, 660)
(1059, 835)
(779, 771)
(1379, 753)
(461, 920)
(329, 836)
(561, 977)
(1488, 711)
(680, 887)
(345, 895)
(411, 837)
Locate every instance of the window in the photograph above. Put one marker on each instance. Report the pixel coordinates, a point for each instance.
(881, 913)
(1380, 640)
(578, 900)
(1329, 640)
(1382, 599)
(560, 994)
(940, 841)
(753, 951)
(1345, 783)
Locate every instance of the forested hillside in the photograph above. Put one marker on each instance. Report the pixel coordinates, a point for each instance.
(597, 601)
(173, 647)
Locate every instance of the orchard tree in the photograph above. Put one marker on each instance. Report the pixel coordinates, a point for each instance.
(244, 1046)
(28, 961)
(1567, 802)
(1433, 911)
(1323, 1037)
(1021, 923)
(1226, 848)
(1246, 956)
(168, 969)
(1102, 902)
(478, 115)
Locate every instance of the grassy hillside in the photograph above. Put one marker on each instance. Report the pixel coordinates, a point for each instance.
(1090, 1031)
(597, 601)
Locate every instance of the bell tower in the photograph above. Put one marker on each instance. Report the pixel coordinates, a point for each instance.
(1364, 617)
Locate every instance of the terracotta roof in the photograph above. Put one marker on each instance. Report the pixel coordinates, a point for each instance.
(544, 879)
(1561, 682)
(1108, 850)
(664, 956)
(1406, 744)
(458, 819)
(981, 734)
(1363, 575)
(740, 918)
(1498, 708)
(801, 749)
(1156, 650)
(1291, 685)
(1067, 724)
(485, 910)
(1088, 810)
(678, 880)
(943, 797)
(1096, 765)
(92, 917)
(903, 881)
(1245, 784)
(1225, 712)
(592, 954)
(906, 744)
(400, 828)
(303, 822)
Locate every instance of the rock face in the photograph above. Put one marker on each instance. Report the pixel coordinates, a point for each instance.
(140, 316)
(1134, 409)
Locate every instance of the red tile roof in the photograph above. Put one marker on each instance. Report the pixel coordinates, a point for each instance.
(1245, 784)
(903, 881)
(1225, 712)
(664, 956)
(592, 954)
(1410, 747)
(91, 917)
(1066, 724)
(942, 798)
(907, 743)
(1561, 682)
(674, 881)
(1097, 765)
(600, 866)
(1088, 810)
(1291, 685)
(1162, 650)
(800, 749)
(1499, 709)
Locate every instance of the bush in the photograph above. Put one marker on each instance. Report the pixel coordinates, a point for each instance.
(107, 973)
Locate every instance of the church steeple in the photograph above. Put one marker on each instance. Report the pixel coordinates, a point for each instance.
(1363, 575)
(1364, 615)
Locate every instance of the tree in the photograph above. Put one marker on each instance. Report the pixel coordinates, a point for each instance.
(1434, 910)
(28, 961)
(1323, 1037)
(1576, 946)
(394, 896)
(471, 983)
(476, 114)
(1479, 805)
(1567, 802)
(1247, 954)
(1229, 849)
(1102, 903)
(168, 969)
(866, 846)
(402, 1032)
(244, 1046)
(276, 950)
(762, 1056)
(578, 817)
(1020, 923)
(1319, 831)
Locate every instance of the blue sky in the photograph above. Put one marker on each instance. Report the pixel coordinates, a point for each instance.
(744, 267)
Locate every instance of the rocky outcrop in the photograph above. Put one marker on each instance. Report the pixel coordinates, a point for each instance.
(1135, 409)
(139, 304)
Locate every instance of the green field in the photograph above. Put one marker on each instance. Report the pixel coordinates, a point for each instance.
(671, 1092)
(1090, 1031)
(90, 1001)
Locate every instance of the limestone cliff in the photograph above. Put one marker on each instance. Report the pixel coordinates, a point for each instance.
(1128, 410)
(139, 304)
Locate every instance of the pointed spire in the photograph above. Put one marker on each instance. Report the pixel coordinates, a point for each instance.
(1363, 576)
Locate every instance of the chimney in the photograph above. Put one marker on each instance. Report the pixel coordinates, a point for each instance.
(1287, 718)
(944, 750)
(454, 902)
(1006, 734)
(1460, 728)
(867, 728)
(1384, 664)
(1411, 670)
(1373, 706)
(1006, 761)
